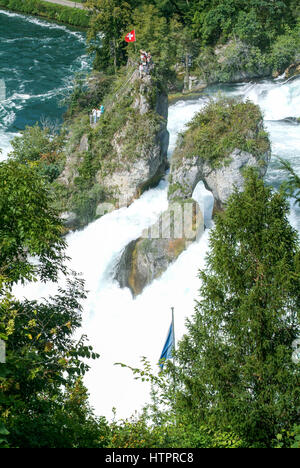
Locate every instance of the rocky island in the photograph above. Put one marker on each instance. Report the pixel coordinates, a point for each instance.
(225, 138)
(112, 162)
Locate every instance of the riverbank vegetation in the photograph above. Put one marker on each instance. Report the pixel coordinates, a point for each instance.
(216, 41)
(221, 127)
(72, 16)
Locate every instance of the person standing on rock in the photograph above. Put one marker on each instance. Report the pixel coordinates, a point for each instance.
(143, 56)
(149, 62)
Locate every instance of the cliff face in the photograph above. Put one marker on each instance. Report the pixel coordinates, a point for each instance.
(140, 146)
(220, 181)
(121, 156)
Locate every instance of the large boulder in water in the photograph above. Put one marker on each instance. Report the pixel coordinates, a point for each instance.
(146, 258)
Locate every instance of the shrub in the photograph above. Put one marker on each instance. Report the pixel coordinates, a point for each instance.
(40, 146)
(283, 52)
(221, 127)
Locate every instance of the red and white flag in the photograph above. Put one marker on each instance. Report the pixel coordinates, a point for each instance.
(130, 37)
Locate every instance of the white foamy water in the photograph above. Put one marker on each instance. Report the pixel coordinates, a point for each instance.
(123, 329)
(5, 139)
(278, 100)
(42, 24)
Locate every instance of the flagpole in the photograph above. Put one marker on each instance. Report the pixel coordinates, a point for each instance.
(174, 349)
(173, 328)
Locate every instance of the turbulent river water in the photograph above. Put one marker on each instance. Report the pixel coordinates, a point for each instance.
(38, 61)
(122, 329)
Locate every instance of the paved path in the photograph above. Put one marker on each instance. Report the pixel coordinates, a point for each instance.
(66, 3)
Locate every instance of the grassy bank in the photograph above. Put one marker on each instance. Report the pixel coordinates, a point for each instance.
(175, 97)
(72, 16)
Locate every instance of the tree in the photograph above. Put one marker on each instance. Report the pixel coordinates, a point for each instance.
(186, 46)
(234, 365)
(292, 185)
(29, 227)
(152, 34)
(108, 24)
(217, 19)
(43, 360)
(43, 404)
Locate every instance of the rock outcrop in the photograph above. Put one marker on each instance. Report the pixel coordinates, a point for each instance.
(220, 181)
(121, 156)
(146, 258)
(199, 156)
(141, 146)
(203, 153)
(293, 70)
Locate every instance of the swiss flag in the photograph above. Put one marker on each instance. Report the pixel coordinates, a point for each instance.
(130, 37)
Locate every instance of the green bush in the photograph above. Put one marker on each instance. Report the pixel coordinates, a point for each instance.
(138, 433)
(72, 16)
(40, 146)
(221, 127)
(283, 52)
(250, 30)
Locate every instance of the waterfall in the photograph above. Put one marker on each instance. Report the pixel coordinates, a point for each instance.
(123, 329)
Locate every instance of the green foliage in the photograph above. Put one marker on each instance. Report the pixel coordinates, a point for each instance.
(221, 127)
(253, 21)
(288, 438)
(296, 431)
(28, 225)
(265, 35)
(3, 436)
(41, 146)
(106, 33)
(136, 433)
(161, 425)
(42, 359)
(283, 51)
(234, 366)
(249, 29)
(84, 203)
(42, 402)
(153, 35)
(231, 63)
(72, 16)
(292, 184)
(87, 93)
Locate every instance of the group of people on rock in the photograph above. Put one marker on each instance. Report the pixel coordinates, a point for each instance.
(96, 114)
(146, 63)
